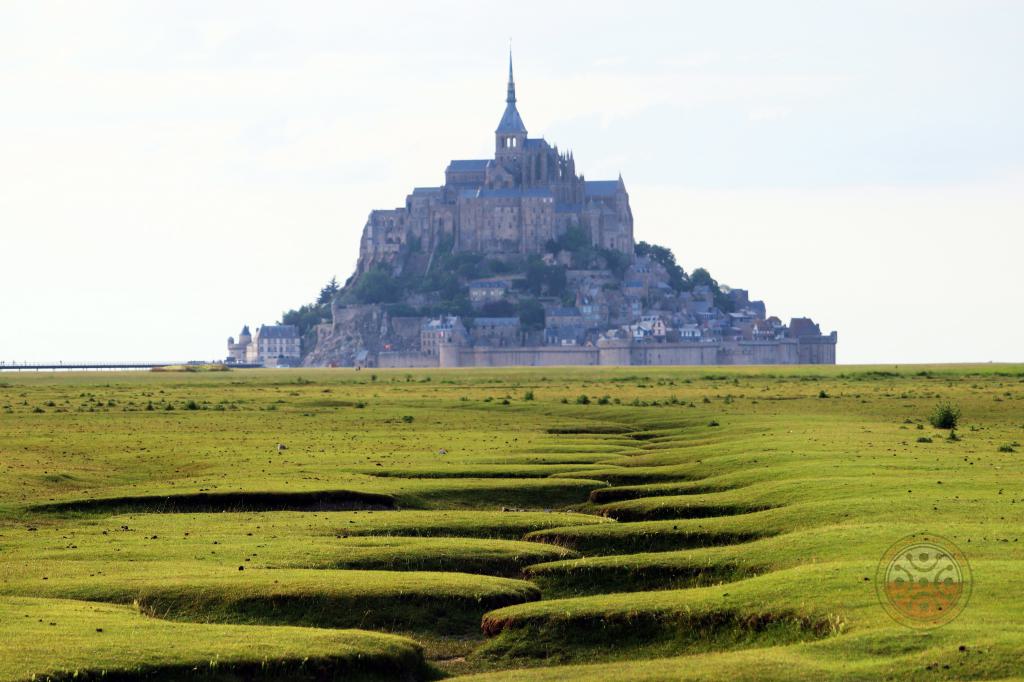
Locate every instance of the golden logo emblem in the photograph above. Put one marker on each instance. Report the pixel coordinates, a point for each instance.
(923, 581)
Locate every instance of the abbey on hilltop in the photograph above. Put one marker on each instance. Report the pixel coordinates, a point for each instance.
(520, 260)
(515, 203)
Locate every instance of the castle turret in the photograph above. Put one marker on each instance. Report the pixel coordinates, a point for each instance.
(237, 351)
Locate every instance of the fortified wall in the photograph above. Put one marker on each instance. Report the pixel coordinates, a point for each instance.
(811, 350)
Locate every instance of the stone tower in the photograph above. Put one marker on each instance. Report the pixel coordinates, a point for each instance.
(510, 137)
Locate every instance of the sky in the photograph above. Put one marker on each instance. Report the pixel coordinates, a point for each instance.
(172, 171)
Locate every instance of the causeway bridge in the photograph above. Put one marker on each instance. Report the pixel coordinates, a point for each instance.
(100, 366)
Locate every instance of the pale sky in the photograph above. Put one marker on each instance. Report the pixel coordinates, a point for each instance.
(170, 171)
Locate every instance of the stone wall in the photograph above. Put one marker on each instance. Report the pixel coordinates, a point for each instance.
(625, 353)
(400, 359)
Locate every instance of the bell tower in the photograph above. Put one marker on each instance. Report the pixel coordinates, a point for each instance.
(510, 137)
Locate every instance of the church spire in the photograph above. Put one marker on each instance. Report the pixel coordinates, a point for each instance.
(511, 125)
(511, 98)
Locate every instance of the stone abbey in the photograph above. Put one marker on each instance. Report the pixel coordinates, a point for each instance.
(520, 260)
(512, 204)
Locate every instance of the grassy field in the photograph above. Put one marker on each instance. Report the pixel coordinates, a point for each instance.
(533, 523)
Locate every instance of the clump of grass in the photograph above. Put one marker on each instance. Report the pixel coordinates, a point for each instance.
(822, 393)
(582, 399)
(924, 439)
(191, 405)
(604, 400)
(408, 418)
(1007, 447)
(713, 422)
(528, 395)
(945, 416)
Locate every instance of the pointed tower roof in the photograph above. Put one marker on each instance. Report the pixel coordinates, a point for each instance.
(511, 123)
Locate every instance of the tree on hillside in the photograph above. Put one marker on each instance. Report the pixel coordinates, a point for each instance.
(677, 277)
(376, 286)
(723, 301)
(541, 278)
(328, 293)
(531, 314)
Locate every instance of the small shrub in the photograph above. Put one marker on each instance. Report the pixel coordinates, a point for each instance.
(924, 439)
(952, 436)
(604, 400)
(360, 405)
(1008, 447)
(822, 394)
(713, 423)
(408, 418)
(565, 401)
(945, 416)
(168, 407)
(528, 395)
(38, 410)
(582, 399)
(504, 401)
(191, 405)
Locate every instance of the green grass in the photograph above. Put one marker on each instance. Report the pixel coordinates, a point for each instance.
(443, 602)
(61, 640)
(632, 536)
(297, 540)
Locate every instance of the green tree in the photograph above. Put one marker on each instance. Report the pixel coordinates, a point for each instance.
(328, 293)
(531, 314)
(498, 309)
(677, 277)
(377, 286)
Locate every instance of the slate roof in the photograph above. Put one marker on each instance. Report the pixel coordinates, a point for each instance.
(511, 122)
(279, 331)
(496, 321)
(467, 165)
(601, 188)
(422, 191)
(535, 192)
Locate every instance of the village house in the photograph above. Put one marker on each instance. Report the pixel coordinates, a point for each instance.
(487, 291)
(271, 346)
(446, 329)
(495, 331)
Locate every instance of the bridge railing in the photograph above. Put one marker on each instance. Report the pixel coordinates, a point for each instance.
(93, 365)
